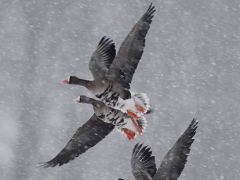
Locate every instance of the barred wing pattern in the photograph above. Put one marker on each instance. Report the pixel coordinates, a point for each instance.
(143, 163)
(102, 58)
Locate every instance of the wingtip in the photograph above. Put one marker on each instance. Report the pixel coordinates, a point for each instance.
(188, 135)
(136, 147)
(140, 148)
(151, 7)
(54, 162)
(106, 48)
(148, 15)
(194, 124)
(43, 165)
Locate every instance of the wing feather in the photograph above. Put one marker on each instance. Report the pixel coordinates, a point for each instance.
(176, 158)
(87, 136)
(143, 163)
(102, 57)
(131, 50)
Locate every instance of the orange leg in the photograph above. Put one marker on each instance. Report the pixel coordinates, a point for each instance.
(132, 115)
(130, 135)
(139, 130)
(139, 108)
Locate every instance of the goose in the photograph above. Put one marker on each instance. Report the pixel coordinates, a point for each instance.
(122, 121)
(86, 136)
(113, 74)
(143, 163)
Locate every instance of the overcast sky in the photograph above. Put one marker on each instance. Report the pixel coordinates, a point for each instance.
(190, 68)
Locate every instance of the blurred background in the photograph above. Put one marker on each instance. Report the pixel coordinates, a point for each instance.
(190, 68)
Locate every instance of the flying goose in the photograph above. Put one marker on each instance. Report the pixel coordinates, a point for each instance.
(93, 131)
(113, 75)
(143, 163)
(121, 120)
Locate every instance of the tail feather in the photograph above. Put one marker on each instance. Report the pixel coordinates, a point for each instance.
(142, 123)
(142, 100)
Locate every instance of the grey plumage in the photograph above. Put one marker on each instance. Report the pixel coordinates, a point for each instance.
(130, 51)
(106, 70)
(117, 73)
(102, 58)
(143, 163)
(87, 136)
(113, 116)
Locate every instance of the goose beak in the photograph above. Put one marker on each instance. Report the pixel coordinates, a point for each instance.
(66, 81)
(77, 100)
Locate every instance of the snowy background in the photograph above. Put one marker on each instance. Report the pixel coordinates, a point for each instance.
(190, 68)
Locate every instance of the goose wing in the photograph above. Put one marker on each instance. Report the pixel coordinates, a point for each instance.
(102, 58)
(130, 51)
(87, 136)
(176, 158)
(143, 163)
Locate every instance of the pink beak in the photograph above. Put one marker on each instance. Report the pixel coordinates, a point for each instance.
(77, 100)
(66, 81)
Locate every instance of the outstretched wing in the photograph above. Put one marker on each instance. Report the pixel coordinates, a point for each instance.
(143, 163)
(130, 51)
(176, 158)
(102, 58)
(87, 136)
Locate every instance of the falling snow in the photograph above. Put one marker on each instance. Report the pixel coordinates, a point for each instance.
(190, 68)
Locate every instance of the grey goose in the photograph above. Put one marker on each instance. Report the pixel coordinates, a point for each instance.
(125, 123)
(113, 74)
(94, 130)
(88, 135)
(143, 163)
